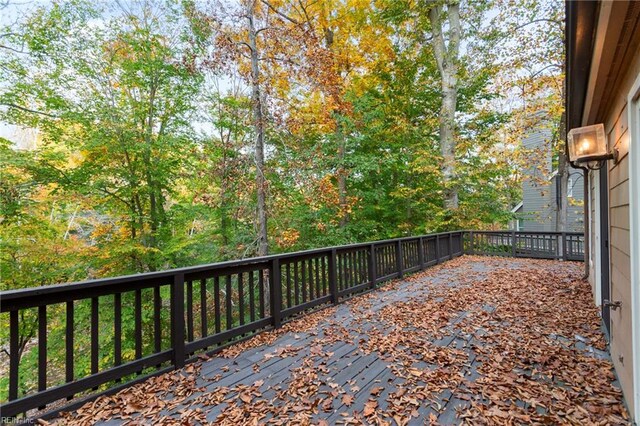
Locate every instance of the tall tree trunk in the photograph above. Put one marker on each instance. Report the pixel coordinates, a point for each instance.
(342, 175)
(224, 200)
(341, 171)
(446, 54)
(258, 125)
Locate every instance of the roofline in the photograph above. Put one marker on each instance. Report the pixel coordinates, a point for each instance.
(580, 26)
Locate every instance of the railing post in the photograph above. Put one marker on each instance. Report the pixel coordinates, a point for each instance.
(372, 265)
(275, 292)
(450, 245)
(177, 320)
(564, 246)
(421, 252)
(437, 248)
(399, 257)
(14, 361)
(333, 273)
(471, 243)
(513, 243)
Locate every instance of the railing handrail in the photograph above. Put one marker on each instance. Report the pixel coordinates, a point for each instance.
(9, 295)
(509, 231)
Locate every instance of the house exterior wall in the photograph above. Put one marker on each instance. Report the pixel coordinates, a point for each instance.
(615, 120)
(603, 86)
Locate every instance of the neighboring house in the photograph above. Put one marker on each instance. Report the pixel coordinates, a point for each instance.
(603, 86)
(538, 210)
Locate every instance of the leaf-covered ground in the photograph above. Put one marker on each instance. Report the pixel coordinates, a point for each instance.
(475, 340)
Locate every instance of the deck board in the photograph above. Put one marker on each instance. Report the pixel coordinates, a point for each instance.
(335, 358)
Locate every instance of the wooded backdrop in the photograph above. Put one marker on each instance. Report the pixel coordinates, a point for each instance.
(173, 133)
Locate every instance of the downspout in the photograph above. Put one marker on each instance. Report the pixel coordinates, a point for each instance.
(585, 214)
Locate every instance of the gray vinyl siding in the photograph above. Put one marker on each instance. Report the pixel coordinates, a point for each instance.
(539, 191)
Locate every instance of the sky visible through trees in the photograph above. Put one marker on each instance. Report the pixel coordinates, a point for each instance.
(145, 135)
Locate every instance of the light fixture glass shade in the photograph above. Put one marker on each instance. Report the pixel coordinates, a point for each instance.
(587, 143)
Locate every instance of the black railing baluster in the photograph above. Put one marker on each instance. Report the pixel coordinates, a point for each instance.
(399, 258)
(190, 311)
(228, 304)
(42, 349)
(353, 276)
(261, 292)
(372, 265)
(317, 272)
(241, 298)
(296, 283)
(203, 308)
(333, 287)
(117, 329)
(177, 320)
(94, 336)
(303, 280)
(325, 277)
(450, 245)
(252, 302)
(391, 258)
(138, 324)
(353, 269)
(340, 271)
(14, 358)
(289, 297)
(216, 303)
(157, 326)
(311, 283)
(350, 282)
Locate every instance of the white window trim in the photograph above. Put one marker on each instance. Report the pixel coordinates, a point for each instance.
(595, 232)
(633, 106)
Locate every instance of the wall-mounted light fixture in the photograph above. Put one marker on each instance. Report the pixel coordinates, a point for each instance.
(589, 145)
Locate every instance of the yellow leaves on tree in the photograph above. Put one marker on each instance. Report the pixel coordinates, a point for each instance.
(288, 238)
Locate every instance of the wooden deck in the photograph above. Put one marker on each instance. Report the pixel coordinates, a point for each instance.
(477, 340)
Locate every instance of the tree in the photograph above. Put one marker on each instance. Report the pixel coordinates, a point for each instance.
(446, 51)
(259, 129)
(122, 99)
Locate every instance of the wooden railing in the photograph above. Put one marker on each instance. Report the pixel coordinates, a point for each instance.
(543, 245)
(173, 316)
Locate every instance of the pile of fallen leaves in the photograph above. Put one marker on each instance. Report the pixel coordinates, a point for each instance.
(475, 340)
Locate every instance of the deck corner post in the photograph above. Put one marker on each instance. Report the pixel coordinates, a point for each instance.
(471, 243)
(373, 277)
(565, 257)
(513, 244)
(421, 252)
(399, 257)
(177, 320)
(450, 245)
(275, 292)
(333, 274)
(437, 248)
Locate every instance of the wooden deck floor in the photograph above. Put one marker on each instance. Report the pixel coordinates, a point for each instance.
(476, 339)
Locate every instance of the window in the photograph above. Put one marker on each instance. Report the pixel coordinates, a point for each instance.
(570, 187)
